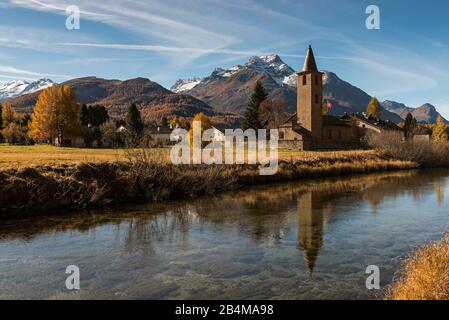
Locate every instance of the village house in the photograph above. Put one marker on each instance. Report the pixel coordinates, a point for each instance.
(422, 134)
(77, 142)
(161, 136)
(368, 124)
(158, 136)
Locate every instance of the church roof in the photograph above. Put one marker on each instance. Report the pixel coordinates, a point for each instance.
(309, 63)
(327, 120)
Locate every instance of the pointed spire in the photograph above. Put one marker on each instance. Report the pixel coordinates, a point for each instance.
(310, 256)
(309, 63)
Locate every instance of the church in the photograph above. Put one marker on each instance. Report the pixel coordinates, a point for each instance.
(309, 128)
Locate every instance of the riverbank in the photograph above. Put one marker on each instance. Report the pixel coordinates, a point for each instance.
(44, 189)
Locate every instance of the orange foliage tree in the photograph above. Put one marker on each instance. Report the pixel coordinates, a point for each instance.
(206, 123)
(178, 122)
(8, 115)
(56, 115)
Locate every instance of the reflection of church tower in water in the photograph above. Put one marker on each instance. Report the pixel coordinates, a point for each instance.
(310, 227)
(439, 191)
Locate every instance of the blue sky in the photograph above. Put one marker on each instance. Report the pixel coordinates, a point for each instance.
(406, 60)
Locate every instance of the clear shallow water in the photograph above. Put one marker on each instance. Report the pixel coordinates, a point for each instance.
(307, 240)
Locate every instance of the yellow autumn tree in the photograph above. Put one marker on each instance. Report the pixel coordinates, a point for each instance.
(373, 110)
(439, 130)
(178, 122)
(8, 115)
(205, 124)
(174, 121)
(56, 115)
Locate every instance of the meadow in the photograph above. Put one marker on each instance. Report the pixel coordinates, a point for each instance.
(42, 155)
(26, 156)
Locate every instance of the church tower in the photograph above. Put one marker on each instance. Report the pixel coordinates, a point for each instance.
(310, 97)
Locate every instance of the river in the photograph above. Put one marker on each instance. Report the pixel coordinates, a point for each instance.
(311, 239)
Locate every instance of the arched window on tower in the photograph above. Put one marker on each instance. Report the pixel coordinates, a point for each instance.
(316, 98)
(316, 79)
(304, 80)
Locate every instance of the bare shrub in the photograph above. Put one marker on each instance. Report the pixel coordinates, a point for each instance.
(147, 155)
(154, 179)
(424, 153)
(273, 113)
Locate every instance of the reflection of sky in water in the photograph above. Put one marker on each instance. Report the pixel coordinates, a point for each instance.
(294, 241)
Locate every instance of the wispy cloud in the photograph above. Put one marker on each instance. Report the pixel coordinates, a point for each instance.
(17, 72)
(149, 23)
(86, 61)
(38, 39)
(161, 49)
(13, 70)
(185, 30)
(52, 6)
(6, 77)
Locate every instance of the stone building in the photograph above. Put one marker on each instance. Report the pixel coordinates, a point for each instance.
(368, 124)
(309, 128)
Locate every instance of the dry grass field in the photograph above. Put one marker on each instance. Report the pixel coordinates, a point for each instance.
(29, 156)
(26, 156)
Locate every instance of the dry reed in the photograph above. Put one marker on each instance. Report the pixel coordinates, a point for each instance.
(424, 275)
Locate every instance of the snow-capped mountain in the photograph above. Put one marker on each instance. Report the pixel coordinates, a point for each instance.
(274, 66)
(280, 72)
(17, 88)
(38, 85)
(12, 89)
(184, 85)
(228, 89)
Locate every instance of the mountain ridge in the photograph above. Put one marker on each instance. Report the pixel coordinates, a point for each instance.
(154, 101)
(426, 113)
